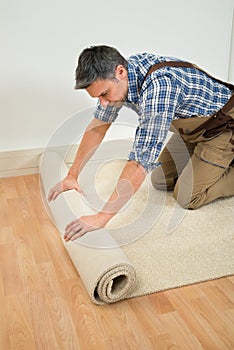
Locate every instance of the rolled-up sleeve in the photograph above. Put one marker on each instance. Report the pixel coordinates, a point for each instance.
(157, 105)
(107, 114)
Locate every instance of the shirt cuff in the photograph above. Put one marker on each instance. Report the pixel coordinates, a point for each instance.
(143, 159)
(107, 114)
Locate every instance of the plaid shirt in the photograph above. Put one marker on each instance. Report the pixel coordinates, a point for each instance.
(166, 94)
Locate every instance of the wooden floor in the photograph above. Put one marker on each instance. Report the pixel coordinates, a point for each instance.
(43, 304)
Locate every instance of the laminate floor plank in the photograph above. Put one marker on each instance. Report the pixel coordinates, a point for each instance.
(18, 319)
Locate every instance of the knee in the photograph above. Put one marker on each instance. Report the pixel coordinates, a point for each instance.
(191, 205)
(159, 181)
(186, 199)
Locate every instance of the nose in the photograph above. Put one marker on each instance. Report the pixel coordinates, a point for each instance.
(103, 101)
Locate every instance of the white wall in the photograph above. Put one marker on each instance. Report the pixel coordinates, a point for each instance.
(40, 42)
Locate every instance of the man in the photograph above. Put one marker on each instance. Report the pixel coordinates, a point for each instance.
(198, 168)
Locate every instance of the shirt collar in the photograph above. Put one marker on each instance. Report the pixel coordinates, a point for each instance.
(133, 84)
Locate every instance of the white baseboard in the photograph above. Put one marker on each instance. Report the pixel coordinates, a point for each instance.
(19, 172)
(26, 162)
(20, 162)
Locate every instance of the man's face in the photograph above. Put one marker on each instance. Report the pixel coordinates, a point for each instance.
(113, 92)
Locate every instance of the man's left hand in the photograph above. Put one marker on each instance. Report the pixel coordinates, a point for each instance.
(82, 225)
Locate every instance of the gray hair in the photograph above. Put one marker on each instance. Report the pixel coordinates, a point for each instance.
(97, 62)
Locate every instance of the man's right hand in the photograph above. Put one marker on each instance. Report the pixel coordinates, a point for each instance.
(69, 183)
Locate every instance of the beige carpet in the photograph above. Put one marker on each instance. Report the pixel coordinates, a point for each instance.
(152, 245)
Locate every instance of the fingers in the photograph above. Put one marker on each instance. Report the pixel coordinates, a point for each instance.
(73, 237)
(54, 192)
(65, 185)
(78, 189)
(74, 230)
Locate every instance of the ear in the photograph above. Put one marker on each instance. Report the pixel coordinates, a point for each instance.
(121, 72)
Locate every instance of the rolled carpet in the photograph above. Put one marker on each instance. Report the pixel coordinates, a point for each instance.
(105, 270)
(151, 245)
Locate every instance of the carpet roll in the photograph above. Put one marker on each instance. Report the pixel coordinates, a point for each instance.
(105, 270)
(106, 274)
(178, 247)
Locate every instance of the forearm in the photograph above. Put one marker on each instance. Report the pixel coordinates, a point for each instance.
(129, 182)
(93, 136)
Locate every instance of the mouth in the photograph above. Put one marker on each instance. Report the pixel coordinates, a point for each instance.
(117, 103)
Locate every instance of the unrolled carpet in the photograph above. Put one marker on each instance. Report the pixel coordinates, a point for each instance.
(151, 245)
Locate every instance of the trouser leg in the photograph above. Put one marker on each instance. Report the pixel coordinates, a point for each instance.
(203, 180)
(200, 183)
(174, 157)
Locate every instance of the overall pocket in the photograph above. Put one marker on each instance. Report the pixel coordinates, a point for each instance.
(217, 151)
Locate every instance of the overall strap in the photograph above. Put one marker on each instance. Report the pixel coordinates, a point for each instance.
(184, 65)
(220, 120)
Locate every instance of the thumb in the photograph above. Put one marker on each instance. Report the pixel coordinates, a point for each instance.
(78, 189)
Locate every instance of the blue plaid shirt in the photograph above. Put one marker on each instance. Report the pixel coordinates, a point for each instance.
(166, 94)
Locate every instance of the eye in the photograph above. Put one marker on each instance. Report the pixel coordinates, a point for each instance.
(104, 93)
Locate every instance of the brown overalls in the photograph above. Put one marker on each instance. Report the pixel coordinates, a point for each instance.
(197, 162)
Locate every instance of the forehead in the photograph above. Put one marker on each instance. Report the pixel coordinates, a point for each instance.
(98, 87)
